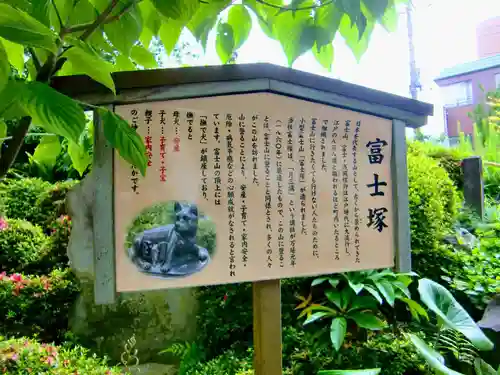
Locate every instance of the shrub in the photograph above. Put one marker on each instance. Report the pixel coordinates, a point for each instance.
(433, 201)
(21, 244)
(23, 356)
(37, 305)
(52, 203)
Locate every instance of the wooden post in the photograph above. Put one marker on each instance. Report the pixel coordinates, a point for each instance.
(267, 327)
(473, 184)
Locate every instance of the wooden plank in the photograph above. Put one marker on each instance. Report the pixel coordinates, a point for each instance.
(473, 184)
(267, 327)
(399, 166)
(103, 218)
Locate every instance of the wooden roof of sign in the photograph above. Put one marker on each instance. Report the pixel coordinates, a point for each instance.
(192, 82)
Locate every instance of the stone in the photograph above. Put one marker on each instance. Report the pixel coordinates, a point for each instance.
(155, 318)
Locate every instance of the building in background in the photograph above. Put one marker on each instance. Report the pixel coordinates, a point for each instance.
(461, 85)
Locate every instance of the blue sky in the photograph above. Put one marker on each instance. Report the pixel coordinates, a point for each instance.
(444, 32)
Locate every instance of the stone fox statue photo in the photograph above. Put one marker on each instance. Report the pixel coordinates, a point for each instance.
(171, 250)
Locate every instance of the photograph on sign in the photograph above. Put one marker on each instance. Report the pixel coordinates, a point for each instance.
(251, 187)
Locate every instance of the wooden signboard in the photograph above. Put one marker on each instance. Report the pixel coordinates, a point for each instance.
(252, 187)
(255, 173)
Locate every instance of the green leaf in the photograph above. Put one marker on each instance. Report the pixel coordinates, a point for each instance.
(85, 60)
(327, 19)
(374, 293)
(363, 302)
(356, 287)
(152, 20)
(224, 43)
(126, 31)
(83, 12)
(346, 295)
(367, 320)
(334, 297)
(337, 332)
(313, 317)
(377, 8)
(438, 299)
(319, 280)
(483, 368)
(143, 57)
(387, 290)
(19, 27)
(324, 55)
(80, 158)
(371, 371)
(351, 35)
(41, 11)
(124, 64)
(125, 139)
(180, 10)
(3, 132)
(432, 357)
(390, 18)
(47, 151)
(10, 100)
(64, 8)
(52, 110)
(205, 19)
(415, 309)
(241, 24)
(15, 52)
(4, 67)
(170, 31)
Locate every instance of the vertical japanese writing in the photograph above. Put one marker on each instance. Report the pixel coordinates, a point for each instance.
(345, 189)
(289, 143)
(177, 137)
(291, 193)
(323, 137)
(243, 159)
(217, 177)
(244, 219)
(357, 220)
(190, 120)
(163, 168)
(204, 157)
(216, 128)
(255, 150)
(302, 176)
(335, 190)
(279, 196)
(376, 215)
(268, 206)
(135, 173)
(314, 197)
(148, 118)
(230, 198)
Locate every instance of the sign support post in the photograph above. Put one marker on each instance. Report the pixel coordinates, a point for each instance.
(267, 327)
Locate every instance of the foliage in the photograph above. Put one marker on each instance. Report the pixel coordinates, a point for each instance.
(97, 38)
(36, 305)
(25, 355)
(189, 353)
(21, 244)
(373, 371)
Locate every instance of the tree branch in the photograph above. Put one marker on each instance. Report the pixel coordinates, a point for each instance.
(36, 60)
(310, 7)
(14, 145)
(99, 20)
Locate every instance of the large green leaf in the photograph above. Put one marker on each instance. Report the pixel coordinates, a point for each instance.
(15, 52)
(390, 18)
(241, 24)
(47, 151)
(374, 293)
(19, 27)
(123, 64)
(151, 19)
(84, 59)
(362, 303)
(432, 357)
(181, 10)
(125, 139)
(80, 158)
(204, 20)
(52, 110)
(170, 31)
(367, 320)
(351, 34)
(3, 132)
(316, 316)
(224, 44)
(64, 8)
(415, 309)
(327, 19)
(143, 57)
(10, 100)
(4, 67)
(387, 290)
(126, 31)
(41, 11)
(377, 8)
(438, 299)
(483, 368)
(371, 371)
(337, 332)
(334, 297)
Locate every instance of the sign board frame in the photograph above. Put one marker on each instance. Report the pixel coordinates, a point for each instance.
(170, 84)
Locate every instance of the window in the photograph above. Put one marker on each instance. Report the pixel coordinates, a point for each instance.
(458, 94)
(497, 81)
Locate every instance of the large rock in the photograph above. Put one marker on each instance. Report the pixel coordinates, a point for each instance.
(156, 318)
